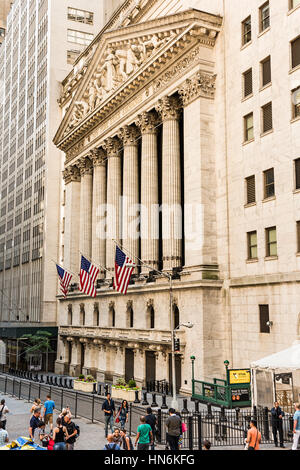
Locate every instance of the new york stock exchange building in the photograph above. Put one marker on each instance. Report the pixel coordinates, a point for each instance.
(141, 138)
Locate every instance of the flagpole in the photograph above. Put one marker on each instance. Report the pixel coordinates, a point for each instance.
(91, 261)
(57, 264)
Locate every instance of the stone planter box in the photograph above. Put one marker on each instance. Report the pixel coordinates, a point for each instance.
(83, 386)
(123, 394)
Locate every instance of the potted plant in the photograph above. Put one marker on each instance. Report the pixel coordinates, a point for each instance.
(84, 384)
(123, 391)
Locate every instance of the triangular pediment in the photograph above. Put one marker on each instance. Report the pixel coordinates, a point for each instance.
(124, 56)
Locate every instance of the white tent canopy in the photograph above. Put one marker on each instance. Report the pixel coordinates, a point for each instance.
(286, 359)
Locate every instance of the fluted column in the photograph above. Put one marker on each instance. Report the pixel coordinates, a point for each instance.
(147, 123)
(98, 157)
(72, 217)
(86, 204)
(169, 109)
(113, 149)
(130, 201)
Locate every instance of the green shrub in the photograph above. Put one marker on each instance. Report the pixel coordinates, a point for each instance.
(131, 383)
(121, 382)
(90, 378)
(81, 377)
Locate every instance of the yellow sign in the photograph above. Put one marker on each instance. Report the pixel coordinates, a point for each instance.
(239, 376)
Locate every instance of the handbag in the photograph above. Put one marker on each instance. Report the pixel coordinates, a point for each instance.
(184, 427)
(251, 447)
(117, 420)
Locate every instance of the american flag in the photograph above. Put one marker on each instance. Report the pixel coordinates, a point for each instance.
(122, 271)
(87, 277)
(65, 279)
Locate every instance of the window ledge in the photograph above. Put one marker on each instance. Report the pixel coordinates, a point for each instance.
(298, 254)
(296, 191)
(250, 204)
(247, 97)
(250, 261)
(266, 133)
(271, 198)
(264, 31)
(248, 142)
(246, 45)
(271, 258)
(268, 85)
(295, 119)
(293, 9)
(295, 69)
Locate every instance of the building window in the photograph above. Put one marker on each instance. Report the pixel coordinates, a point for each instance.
(295, 45)
(248, 88)
(297, 173)
(152, 318)
(271, 242)
(72, 56)
(246, 30)
(250, 189)
(252, 245)
(81, 16)
(264, 16)
(264, 318)
(248, 127)
(266, 71)
(176, 316)
(294, 3)
(79, 37)
(269, 183)
(296, 102)
(298, 236)
(130, 317)
(267, 118)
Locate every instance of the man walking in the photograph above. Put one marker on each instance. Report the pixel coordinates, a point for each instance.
(151, 420)
(277, 415)
(3, 412)
(144, 435)
(109, 412)
(3, 435)
(71, 433)
(49, 406)
(296, 429)
(173, 425)
(34, 422)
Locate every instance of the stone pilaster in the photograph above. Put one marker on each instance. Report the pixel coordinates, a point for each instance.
(86, 204)
(113, 149)
(130, 226)
(72, 218)
(170, 109)
(148, 122)
(98, 157)
(140, 367)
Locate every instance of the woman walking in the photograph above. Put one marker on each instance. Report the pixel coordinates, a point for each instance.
(123, 413)
(59, 435)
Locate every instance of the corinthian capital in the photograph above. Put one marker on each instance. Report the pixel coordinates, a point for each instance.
(200, 84)
(113, 146)
(129, 135)
(148, 122)
(85, 166)
(98, 157)
(71, 173)
(169, 107)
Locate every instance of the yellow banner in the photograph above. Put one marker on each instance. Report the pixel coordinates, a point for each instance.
(239, 376)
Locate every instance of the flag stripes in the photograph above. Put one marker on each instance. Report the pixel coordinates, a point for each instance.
(65, 279)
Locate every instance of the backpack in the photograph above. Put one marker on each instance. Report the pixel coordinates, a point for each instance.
(110, 448)
(78, 431)
(1, 412)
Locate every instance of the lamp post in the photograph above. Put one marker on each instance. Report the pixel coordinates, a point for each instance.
(226, 363)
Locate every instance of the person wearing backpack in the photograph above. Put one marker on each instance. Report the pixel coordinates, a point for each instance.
(296, 429)
(72, 432)
(111, 445)
(126, 440)
(3, 412)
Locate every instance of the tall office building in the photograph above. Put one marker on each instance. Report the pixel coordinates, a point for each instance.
(5, 6)
(42, 40)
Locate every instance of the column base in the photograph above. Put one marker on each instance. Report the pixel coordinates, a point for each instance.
(75, 370)
(100, 375)
(116, 377)
(89, 371)
(61, 368)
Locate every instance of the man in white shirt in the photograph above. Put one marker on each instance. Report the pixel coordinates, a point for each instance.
(3, 435)
(3, 412)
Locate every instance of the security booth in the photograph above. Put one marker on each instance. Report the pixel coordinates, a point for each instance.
(234, 392)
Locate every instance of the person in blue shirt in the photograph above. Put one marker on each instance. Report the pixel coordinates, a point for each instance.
(111, 445)
(49, 406)
(296, 429)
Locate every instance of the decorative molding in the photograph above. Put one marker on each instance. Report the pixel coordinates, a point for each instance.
(85, 166)
(201, 84)
(148, 122)
(71, 174)
(150, 303)
(82, 310)
(111, 305)
(129, 305)
(113, 147)
(98, 157)
(169, 108)
(129, 135)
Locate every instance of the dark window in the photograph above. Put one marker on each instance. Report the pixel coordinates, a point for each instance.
(130, 317)
(295, 52)
(176, 316)
(152, 318)
(267, 117)
(248, 89)
(269, 183)
(271, 242)
(264, 13)
(294, 3)
(297, 173)
(252, 245)
(266, 71)
(250, 185)
(264, 318)
(298, 236)
(246, 30)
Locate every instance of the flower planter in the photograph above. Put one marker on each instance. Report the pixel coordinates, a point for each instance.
(124, 394)
(83, 386)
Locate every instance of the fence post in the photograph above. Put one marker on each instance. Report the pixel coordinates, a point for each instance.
(223, 416)
(159, 426)
(29, 392)
(130, 418)
(145, 401)
(62, 399)
(154, 404)
(190, 429)
(93, 408)
(209, 413)
(20, 384)
(255, 413)
(199, 423)
(266, 423)
(75, 404)
(237, 413)
(5, 388)
(184, 409)
(164, 405)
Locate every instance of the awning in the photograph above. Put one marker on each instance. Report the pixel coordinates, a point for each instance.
(288, 359)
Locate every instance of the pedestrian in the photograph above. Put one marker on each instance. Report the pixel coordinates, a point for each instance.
(34, 422)
(109, 412)
(71, 433)
(59, 435)
(122, 413)
(152, 421)
(36, 404)
(144, 436)
(111, 445)
(49, 406)
(3, 435)
(65, 412)
(173, 425)
(296, 428)
(206, 445)
(253, 436)
(276, 418)
(42, 437)
(117, 436)
(126, 440)
(3, 412)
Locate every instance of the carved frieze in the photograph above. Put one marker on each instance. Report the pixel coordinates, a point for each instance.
(201, 84)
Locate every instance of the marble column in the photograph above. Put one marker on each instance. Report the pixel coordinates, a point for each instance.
(169, 109)
(148, 122)
(98, 157)
(72, 218)
(113, 149)
(86, 199)
(130, 200)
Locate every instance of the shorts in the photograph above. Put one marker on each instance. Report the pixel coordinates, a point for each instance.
(49, 418)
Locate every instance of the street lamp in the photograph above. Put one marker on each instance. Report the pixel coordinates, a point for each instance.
(226, 363)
